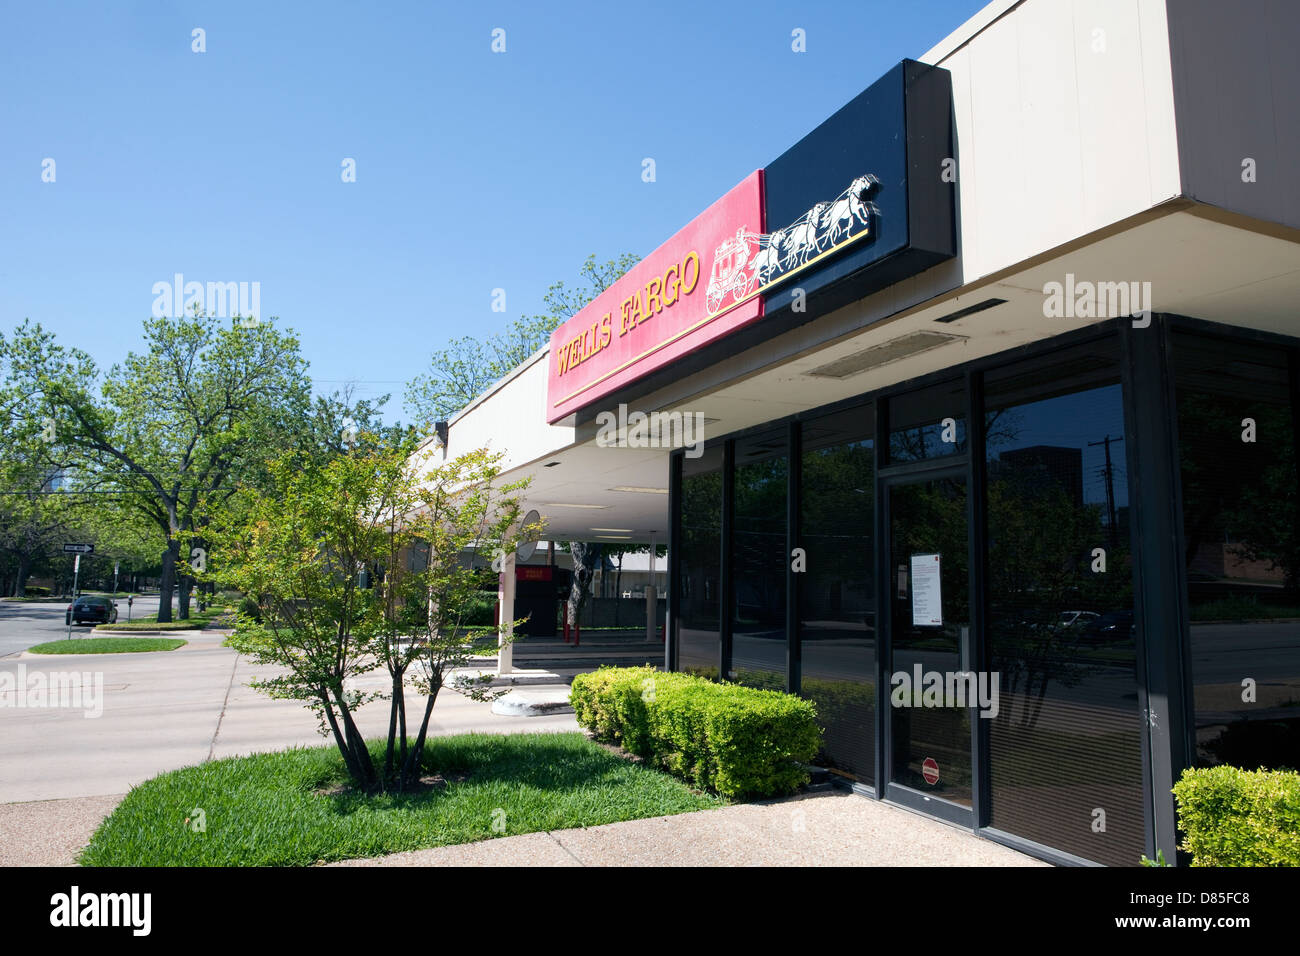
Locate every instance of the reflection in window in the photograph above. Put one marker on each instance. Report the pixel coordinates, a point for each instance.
(837, 629)
(928, 423)
(929, 517)
(1242, 550)
(1066, 741)
(758, 642)
(699, 565)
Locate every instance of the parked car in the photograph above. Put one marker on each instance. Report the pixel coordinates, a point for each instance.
(1076, 618)
(95, 610)
(1111, 627)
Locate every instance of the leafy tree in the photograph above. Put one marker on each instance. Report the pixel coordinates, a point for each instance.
(34, 517)
(355, 563)
(174, 427)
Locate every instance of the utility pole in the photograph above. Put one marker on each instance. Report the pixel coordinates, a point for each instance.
(1108, 472)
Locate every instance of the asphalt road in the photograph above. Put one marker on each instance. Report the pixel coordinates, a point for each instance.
(23, 624)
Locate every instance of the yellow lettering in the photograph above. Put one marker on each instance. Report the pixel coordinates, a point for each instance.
(653, 302)
(689, 256)
(675, 285)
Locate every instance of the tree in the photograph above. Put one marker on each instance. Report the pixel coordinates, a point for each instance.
(34, 516)
(176, 426)
(466, 367)
(356, 563)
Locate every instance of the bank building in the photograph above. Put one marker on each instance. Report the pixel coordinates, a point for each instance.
(997, 371)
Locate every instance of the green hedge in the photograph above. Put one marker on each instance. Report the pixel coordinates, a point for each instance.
(1233, 817)
(738, 741)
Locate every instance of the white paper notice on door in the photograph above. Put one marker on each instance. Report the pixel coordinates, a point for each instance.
(927, 599)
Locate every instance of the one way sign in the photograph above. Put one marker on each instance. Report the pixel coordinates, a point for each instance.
(78, 548)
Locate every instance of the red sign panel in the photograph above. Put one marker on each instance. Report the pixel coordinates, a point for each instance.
(930, 770)
(697, 287)
(532, 572)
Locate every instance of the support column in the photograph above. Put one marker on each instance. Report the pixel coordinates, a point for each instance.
(505, 623)
(1160, 583)
(651, 597)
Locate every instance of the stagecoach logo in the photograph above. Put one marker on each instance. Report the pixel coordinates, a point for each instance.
(749, 263)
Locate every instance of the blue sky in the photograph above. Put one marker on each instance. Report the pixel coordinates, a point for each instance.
(474, 170)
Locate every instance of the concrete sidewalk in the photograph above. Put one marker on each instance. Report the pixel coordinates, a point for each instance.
(162, 711)
(832, 828)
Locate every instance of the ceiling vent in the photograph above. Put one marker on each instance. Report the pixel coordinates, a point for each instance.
(970, 310)
(902, 347)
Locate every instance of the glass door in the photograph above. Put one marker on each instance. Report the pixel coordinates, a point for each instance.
(929, 687)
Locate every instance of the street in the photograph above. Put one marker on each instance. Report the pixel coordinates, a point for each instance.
(23, 625)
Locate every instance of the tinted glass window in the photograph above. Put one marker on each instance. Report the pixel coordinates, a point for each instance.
(699, 565)
(1065, 746)
(758, 643)
(1236, 435)
(929, 423)
(837, 627)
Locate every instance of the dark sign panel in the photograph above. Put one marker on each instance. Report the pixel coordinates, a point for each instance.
(863, 201)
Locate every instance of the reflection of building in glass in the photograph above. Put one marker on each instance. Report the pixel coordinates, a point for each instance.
(1229, 560)
(1039, 466)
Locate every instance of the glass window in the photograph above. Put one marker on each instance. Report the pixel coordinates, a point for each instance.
(929, 629)
(1065, 747)
(1236, 443)
(929, 423)
(758, 641)
(837, 627)
(699, 565)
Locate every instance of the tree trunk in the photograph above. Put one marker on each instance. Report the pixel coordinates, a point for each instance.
(411, 768)
(185, 583)
(392, 726)
(585, 556)
(24, 570)
(167, 581)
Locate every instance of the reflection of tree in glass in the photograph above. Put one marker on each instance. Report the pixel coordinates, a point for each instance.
(1040, 547)
(929, 517)
(759, 541)
(1239, 492)
(701, 543)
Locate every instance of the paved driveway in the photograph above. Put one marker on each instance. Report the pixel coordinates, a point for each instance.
(161, 711)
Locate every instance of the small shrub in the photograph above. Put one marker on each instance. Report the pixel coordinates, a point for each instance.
(738, 741)
(1234, 817)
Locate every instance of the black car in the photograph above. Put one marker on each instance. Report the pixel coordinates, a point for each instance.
(96, 610)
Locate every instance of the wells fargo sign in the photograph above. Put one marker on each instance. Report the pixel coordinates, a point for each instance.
(671, 302)
(852, 207)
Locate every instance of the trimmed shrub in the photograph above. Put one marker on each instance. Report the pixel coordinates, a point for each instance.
(738, 741)
(1234, 817)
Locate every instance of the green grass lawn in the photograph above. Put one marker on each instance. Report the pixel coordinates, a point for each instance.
(284, 809)
(195, 622)
(108, 645)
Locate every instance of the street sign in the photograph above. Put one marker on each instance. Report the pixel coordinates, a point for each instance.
(78, 549)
